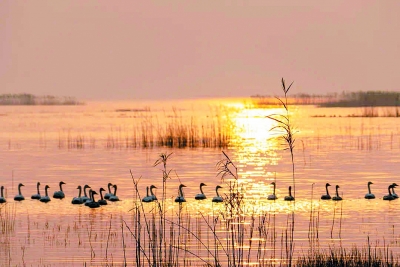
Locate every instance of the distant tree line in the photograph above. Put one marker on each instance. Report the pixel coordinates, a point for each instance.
(29, 99)
(344, 99)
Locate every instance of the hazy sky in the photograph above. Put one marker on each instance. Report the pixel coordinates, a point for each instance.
(112, 49)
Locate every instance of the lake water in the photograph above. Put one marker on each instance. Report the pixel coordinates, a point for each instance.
(104, 142)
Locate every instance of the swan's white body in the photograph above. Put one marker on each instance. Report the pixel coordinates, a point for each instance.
(337, 197)
(217, 198)
(2, 198)
(102, 201)
(59, 194)
(289, 197)
(327, 196)
(109, 194)
(147, 198)
(93, 204)
(114, 197)
(369, 195)
(180, 198)
(19, 197)
(78, 199)
(389, 196)
(46, 197)
(37, 195)
(273, 196)
(201, 195)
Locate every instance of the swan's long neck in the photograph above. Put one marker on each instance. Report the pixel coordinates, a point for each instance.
(369, 188)
(290, 191)
(115, 190)
(45, 190)
(84, 191)
(180, 191)
(274, 188)
(2, 189)
(80, 191)
(326, 187)
(337, 193)
(109, 188)
(37, 186)
(61, 187)
(216, 190)
(201, 189)
(101, 194)
(19, 190)
(147, 191)
(151, 191)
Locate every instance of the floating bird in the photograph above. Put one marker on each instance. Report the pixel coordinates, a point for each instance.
(78, 199)
(87, 202)
(180, 198)
(337, 197)
(59, 194)
(369, 195)
(152, 195)
(114, 197)
(102, 201)
(289, 197)
(201, 195)
(109, 194)
(2, 198)
(19, 197)
(46, 197)
(93, 204)
(273, 196)
(85, 195)
(327, 196)
(147, 198)
(217, 198)
(390, 196)
(36, 196)
(393, 193)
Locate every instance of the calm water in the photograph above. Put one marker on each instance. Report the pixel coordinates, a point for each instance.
(102, 142)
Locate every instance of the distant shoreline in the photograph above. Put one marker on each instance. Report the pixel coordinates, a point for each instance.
(344, 99)
(33, 100)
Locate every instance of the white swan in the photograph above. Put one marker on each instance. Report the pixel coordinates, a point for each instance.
(289, 197)
(19, 197)
(147, 198)
(109, 194)
(114, 197)
(37, 195)
(369, 195)
(393, 193)
(180, 198)
(102, 201)
(217, 198)
(327, 196)
(93, 204)
(78, 199)
(2, 198)
(59, 194)
(337, 197)
(201, 195)
(85, 195)
(389, 196)
(273, 196)
(46, 197)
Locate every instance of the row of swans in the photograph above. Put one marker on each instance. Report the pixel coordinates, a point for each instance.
(181, 198)
(88, 197)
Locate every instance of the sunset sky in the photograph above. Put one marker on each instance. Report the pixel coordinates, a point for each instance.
(143, 49)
